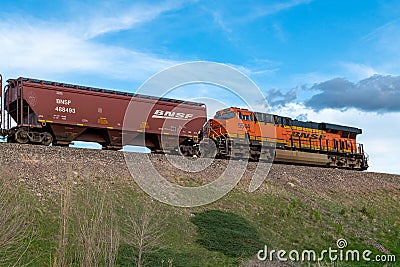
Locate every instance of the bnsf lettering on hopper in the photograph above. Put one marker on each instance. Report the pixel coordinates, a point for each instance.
(161, 114)
(235, 132)
(63, 101)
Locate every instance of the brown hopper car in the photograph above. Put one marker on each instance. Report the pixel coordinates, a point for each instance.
(56, 113)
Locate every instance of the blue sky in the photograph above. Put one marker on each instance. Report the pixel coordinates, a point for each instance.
(322, 60)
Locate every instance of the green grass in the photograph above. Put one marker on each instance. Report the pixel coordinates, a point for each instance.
(226, 232)
(229, 231)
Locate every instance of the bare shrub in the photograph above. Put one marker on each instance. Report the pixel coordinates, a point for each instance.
(95, 226)
(144, 229)
(89, 233)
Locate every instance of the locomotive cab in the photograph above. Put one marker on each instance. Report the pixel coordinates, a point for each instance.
(237, 133)
(233, 122)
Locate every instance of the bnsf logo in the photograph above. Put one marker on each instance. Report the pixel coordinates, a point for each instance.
(305, 135)
(161, 114)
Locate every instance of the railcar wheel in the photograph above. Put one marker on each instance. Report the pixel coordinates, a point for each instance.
(21, 136)
(207, 148)
(11, 139)
(183, 150)
(47, 139)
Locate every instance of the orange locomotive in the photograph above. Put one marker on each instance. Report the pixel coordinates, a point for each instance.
(242, 133)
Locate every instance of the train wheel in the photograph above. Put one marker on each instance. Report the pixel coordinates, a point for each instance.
(207, 148)
(184, 150)
(11, 139)
(21, 136)
(47, 139)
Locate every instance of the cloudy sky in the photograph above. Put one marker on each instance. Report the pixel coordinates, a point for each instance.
(322, 60)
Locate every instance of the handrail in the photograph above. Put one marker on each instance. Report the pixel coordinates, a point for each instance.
(1, 102)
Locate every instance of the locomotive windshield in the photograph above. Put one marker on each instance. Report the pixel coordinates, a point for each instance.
(225, 116)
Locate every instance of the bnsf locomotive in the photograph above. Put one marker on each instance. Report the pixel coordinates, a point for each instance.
(55, 113)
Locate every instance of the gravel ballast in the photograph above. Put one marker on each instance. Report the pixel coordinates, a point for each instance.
(45, 167)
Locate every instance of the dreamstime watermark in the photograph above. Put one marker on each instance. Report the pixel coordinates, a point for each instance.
(147, 115)
(337, 254)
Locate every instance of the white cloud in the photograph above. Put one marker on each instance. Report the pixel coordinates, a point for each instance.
(380, 132)
(384, 44)
(108, 18)
(217, 17)
(254, 70)
(310, 78)
(256, 10)
(265, 10)
(383, 29)
(358, 71)
(279, 32)
(41, 49)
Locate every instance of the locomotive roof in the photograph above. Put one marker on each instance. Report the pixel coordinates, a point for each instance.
(265, 117)
(276, 119)
(107, 91)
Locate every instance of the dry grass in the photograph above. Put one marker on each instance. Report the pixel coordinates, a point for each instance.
(89, 233)
(16, 232)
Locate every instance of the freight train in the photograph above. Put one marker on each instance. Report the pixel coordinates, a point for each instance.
(52, 113)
